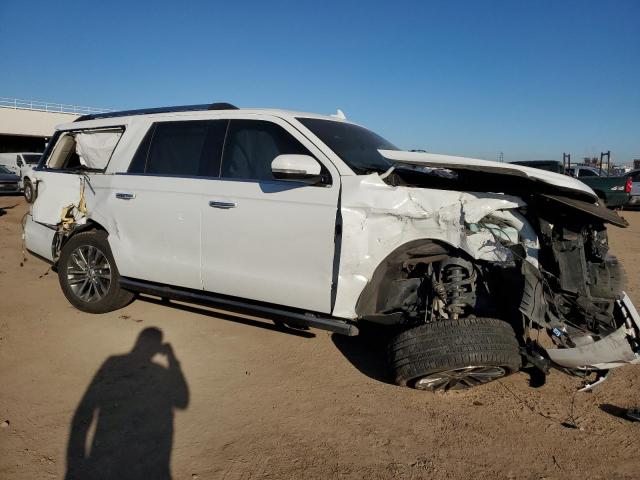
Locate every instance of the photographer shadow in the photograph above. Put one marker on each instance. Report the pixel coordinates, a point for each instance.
(123, 427)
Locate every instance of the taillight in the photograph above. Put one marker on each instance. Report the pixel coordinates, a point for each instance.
(627, 186)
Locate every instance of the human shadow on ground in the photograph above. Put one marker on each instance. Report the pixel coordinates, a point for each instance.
(254, 322)
(123, 427)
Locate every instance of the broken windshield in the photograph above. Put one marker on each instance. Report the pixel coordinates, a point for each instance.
(355, 145)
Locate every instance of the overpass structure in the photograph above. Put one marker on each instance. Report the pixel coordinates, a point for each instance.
(26, 125)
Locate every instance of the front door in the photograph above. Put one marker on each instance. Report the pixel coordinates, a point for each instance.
(266, 239)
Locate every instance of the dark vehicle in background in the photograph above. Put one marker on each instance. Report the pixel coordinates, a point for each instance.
(634, 176)
(9, 181)
(614, 192)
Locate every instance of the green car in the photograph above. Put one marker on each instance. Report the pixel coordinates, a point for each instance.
(615, 192)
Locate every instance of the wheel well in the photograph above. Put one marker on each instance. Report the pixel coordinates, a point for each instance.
(61, 237)
(391, 269)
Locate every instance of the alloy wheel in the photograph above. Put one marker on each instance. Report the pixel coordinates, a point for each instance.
(459, 378)
(88, 273)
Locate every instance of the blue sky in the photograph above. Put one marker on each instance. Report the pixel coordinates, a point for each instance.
(529, 78)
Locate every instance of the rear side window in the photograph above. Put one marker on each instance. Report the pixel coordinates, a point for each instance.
(252, 145)
(88, 149)
(586, 173)
(188, 148)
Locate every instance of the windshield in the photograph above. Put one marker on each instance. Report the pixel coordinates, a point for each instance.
(356, 146)
(31, 159)
(4, 169)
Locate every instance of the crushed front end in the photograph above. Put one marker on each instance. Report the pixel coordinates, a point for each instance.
(587, 314)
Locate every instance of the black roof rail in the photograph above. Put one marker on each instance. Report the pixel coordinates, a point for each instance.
(145, 111)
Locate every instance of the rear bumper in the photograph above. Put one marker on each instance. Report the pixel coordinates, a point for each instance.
(620, 348)
(617, 199)
(634, 200)
(38, 238)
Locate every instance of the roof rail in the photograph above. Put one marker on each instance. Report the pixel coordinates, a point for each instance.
(144, 111)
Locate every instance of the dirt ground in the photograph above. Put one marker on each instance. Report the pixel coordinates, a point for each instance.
(261, 403)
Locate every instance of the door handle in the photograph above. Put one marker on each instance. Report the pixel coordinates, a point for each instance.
(125, 196)
(225, 205)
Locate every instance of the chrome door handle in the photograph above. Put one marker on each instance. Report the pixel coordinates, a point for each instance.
(125, 196)
(225, 205)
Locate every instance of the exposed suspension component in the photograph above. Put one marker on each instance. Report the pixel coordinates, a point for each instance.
(455, 286)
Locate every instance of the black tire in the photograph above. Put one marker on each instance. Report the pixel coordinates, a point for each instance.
(469, 351)
(29, 191)
(107, 295)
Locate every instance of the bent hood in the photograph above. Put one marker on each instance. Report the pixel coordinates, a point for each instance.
(475, 164)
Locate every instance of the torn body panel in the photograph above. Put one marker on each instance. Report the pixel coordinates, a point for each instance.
(472, 245)
(620, 348)
(378, 218)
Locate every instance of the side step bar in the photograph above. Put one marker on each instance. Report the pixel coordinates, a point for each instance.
(301, 318)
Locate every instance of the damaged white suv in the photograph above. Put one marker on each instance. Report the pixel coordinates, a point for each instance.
(314, 221)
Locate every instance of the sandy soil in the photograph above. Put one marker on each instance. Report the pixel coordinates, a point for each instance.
(267, 404)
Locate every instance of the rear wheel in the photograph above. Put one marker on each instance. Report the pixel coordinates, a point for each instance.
(88, 274)
(28, 191)
(454, 354)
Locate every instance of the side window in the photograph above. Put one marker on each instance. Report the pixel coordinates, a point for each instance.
(139, 161)
(88, 149)
(583, 172)
(187, 148)
(251, 146)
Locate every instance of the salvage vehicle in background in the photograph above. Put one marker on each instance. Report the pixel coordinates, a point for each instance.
(9, 181)
(634, 177)
(27, 162)
(314, 221)
(22, 163)
(613, 192)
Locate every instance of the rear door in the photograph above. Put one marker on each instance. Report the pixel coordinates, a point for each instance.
(156, 205)
(266, 239)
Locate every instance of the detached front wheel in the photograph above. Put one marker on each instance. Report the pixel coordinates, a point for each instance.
(454, 354)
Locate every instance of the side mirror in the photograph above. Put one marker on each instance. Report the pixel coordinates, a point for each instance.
(303, 168)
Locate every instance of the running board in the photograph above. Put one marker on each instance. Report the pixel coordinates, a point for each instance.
(307, 319)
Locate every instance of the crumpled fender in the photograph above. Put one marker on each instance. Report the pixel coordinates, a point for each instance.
(377, 218)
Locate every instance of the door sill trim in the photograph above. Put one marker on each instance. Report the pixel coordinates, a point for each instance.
(267, 310)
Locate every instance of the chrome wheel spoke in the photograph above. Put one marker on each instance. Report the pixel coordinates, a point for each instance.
(459, 378)
(88, 273)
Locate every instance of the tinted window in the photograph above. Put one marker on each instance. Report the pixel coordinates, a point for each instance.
(139, 161)
(189, 148)
(252, 145)
(586, 173)
(31, 159)
(356, 146)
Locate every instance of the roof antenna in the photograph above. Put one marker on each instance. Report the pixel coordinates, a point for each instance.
(339, 114)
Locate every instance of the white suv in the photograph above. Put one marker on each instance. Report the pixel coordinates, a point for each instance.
(312, 220)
